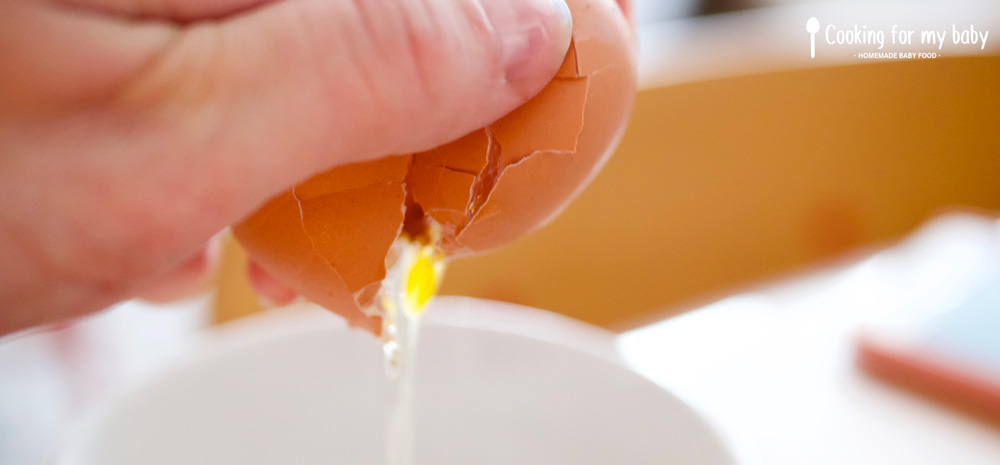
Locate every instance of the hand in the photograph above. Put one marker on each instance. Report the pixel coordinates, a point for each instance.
(132, 131)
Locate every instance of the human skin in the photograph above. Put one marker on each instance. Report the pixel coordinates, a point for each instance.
(132, 131)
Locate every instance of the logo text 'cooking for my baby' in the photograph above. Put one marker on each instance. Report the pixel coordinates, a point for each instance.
(877, 39)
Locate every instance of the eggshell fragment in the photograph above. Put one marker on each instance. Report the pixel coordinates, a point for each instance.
(569, 67)
(597, 38)
(446, 194)
(467, 154)
(354, 176)
(328, 238)
(337, 227)
(550, 122)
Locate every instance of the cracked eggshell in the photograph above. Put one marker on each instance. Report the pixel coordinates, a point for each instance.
(328, 238)
(538, 157)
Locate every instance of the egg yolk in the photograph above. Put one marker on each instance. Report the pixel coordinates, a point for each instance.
(421, 284)
(414, 272)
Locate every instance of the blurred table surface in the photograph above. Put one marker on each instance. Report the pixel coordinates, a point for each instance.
(774, 371)
(772, 368)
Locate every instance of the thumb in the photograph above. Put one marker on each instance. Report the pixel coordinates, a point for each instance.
(294, 87)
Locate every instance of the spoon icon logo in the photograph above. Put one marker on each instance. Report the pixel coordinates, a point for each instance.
(812, 27)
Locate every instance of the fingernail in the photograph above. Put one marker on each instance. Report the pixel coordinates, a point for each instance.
(533, 35)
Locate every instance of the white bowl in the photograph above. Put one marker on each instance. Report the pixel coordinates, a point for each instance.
(302, 393)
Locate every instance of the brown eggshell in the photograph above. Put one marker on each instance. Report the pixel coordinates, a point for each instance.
(354, 176)
(337, 225)
(569, 68)
(329, 243)
(551, 122)
(328, 238)
(466, 154)
(445, 193)
(542, 154)
(602, 38)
